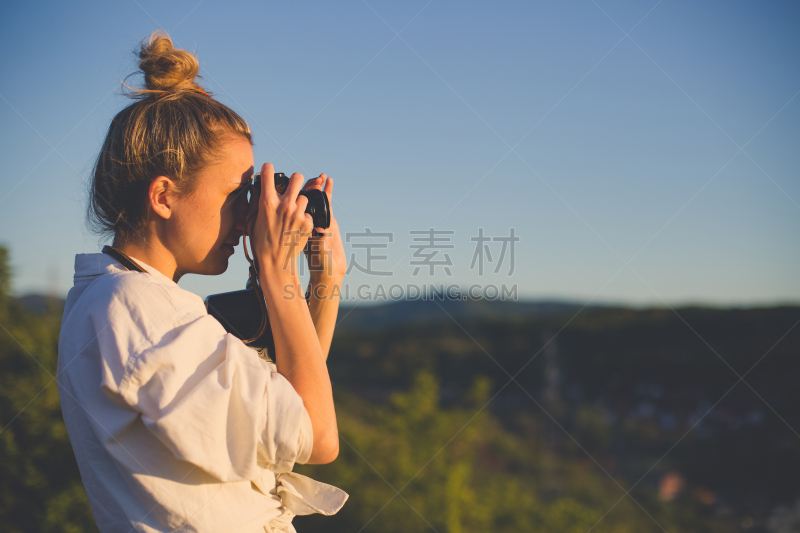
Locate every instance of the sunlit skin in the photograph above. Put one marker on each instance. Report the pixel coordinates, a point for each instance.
(196, 233)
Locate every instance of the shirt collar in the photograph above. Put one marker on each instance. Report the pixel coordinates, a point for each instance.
(88, 265)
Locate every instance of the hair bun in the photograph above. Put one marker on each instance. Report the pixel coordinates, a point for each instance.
(165, 67)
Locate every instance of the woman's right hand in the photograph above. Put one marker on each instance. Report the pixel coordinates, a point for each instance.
(281, 228)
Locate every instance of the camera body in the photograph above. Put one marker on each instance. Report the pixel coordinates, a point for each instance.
(240, 313)
(244, 313)
(318, 206)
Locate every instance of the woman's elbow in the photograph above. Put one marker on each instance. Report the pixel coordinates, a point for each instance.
(325, 450)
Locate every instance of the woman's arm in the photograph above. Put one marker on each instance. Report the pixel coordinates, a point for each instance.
(327, 265)
(323, 304)
(300, 360)
(280, 233)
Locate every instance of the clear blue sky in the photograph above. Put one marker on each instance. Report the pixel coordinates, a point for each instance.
(597, 148)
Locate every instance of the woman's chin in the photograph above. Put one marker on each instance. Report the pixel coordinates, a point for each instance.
(222, 267)
(218, 266)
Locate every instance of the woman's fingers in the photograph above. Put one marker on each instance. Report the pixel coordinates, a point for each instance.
(302, 203)
(295, 184)
(282, 225)
(329, 189)
(292, 193)
(269, 195)
(313, 183)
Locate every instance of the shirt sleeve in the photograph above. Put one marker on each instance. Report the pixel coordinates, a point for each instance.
(212, 401)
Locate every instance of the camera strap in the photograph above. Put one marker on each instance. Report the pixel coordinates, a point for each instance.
(256, 286)
(123, 258)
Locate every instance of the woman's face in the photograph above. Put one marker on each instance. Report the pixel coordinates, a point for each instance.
(208, 223)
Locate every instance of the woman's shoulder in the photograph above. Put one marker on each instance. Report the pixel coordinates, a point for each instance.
(151, 301)
(137, 289)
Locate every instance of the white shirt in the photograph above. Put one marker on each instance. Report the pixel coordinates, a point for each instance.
(175, 423)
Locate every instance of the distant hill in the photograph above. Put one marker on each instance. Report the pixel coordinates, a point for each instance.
(409, 312)
(38, 304)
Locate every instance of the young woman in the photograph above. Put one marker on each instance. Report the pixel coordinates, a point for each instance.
(176, 424)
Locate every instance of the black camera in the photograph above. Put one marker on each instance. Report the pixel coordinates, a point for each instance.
(318, 206)
(244, 313)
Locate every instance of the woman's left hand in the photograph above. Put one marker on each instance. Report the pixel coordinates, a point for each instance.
(325, 254)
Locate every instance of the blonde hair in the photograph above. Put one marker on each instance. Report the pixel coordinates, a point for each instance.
(174, 129)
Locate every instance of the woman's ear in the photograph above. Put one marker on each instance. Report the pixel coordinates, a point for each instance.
(161, 195)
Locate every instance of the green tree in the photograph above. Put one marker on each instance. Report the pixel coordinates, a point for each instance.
(40, 486)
